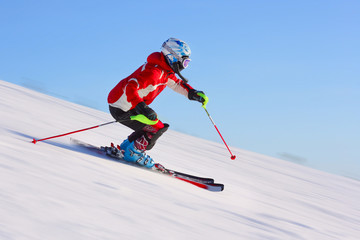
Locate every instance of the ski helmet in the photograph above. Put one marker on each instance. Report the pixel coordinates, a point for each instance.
(177, 53)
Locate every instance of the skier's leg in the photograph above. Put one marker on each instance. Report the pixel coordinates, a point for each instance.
(123, 118)
(143, 138)
(155, 135)
(140, 141)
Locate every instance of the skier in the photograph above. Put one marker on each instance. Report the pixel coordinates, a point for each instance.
(132, 95)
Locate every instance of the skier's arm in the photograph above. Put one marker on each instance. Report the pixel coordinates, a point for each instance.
(145, 110)
(179, 86)
(131, 91)
(144, 79)
(185, 89)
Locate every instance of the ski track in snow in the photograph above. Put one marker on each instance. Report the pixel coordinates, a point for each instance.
(56, 190)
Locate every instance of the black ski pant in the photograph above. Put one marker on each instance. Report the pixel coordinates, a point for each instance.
(138, 127)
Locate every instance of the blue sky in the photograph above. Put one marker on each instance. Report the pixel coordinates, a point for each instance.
(283, 77)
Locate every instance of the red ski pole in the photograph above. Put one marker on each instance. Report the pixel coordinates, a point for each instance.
(140, 118)
(232, 156)
(204, 107)
(64, 134)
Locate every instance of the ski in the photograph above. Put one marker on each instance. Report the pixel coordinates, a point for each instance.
(201, 182)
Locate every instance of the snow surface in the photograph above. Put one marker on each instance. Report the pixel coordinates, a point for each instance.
(55, 190)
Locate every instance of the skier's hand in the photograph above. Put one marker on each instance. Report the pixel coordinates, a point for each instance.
(145, 110)
(198, 96)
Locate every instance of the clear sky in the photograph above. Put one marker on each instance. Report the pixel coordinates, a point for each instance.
(283, 77)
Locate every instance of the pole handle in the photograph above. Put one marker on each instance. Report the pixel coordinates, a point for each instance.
(206, 99)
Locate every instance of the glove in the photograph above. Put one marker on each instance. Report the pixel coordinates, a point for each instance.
(198, 96)
(145, 110)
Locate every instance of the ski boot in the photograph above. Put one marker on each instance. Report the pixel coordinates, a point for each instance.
(124, 145)
(132, 153)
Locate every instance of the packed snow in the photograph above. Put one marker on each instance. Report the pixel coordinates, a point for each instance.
(57, 190)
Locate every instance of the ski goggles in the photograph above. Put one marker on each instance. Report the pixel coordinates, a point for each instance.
(185, 62)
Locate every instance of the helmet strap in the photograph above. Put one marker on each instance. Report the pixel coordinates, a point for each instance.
(176, 68)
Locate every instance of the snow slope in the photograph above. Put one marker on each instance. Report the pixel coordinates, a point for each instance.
(55, 190)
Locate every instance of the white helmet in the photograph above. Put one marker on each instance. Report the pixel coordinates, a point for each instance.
(177, 53)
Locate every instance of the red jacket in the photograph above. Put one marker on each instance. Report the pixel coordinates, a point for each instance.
(146, 83)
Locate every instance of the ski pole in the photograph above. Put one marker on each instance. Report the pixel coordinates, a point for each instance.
(64, 134)
(140, 118)
(232, 156)
(204, 107)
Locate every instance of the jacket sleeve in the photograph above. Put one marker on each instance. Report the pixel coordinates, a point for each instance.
(131, 93)
(179, 86)
(139, 87)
